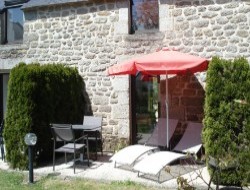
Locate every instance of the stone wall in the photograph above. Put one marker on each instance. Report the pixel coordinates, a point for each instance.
(82, 35)
(185, 98)
(89, 37)
(94, 35)
(10, 55)
(209, 27)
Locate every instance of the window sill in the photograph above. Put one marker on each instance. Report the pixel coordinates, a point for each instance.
(147, 31)
(12, 46)
(146, 35)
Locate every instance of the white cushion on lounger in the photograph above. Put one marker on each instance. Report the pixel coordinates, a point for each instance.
(129, 154)
(154, 163)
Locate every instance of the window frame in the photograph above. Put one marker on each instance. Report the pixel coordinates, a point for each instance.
(132, 30)
(4, 25)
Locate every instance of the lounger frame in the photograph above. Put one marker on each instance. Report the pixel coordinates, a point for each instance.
(189, 143)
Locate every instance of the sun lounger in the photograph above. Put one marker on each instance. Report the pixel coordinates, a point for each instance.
(159, 135)
(191, 139)
(130, 154)
(154, 163)
(190, 142)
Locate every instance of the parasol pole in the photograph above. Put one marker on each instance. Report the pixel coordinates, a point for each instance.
(167, 110)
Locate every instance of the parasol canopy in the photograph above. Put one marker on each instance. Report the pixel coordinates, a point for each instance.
(161, 62)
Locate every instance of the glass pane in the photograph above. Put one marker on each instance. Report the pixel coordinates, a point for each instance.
(145, 14)
(15, 20)
(146, 106)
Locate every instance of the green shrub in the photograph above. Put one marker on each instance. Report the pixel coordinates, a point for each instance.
(37, 96)
(226, 134)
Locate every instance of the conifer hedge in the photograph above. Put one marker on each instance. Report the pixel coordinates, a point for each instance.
(37, 96)
(226, 133)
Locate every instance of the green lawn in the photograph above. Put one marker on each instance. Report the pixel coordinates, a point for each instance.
(18, 180)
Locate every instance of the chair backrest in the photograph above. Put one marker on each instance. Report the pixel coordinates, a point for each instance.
(159, 135)
(92, 121)
(63, 132)
(191, 139)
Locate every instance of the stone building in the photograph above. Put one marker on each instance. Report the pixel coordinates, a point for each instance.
(93, 35)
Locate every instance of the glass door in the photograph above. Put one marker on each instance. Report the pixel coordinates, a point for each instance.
(146, 106)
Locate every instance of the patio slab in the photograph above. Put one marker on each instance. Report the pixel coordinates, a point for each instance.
(103, 170)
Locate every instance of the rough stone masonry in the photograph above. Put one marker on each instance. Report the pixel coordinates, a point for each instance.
(94, 35)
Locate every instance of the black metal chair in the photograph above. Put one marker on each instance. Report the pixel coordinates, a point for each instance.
(96, 134)
(64, 133)
(214, 164)
(2, 141)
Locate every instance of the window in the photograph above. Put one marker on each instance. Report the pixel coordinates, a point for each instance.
(145, 15)
(12, 23)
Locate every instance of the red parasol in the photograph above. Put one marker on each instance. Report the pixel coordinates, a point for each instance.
(162, 62)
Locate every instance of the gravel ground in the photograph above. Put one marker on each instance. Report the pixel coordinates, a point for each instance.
(103, 170)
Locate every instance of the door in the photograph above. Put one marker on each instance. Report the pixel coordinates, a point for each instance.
(147, 111)
(4, 78)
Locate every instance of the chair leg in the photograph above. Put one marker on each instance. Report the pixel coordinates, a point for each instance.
(96, 145)
(74, 164)
(54, 155)
(2, 149)
(2, 152)
(53, 160)
(83, 154)
(101, 143)
(211, 179)
(217, 179)
(65, 155)
(88, 151)
(101, 147)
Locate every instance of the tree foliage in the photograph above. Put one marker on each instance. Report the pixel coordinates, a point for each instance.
(37, 96)
(226, 134)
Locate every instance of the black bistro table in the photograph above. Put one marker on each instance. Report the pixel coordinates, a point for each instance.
(91, 128)
(86, 127)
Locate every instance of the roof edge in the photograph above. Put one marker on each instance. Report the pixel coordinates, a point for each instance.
(45, 3)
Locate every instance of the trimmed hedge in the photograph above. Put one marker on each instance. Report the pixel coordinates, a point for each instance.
(37, 96)
(226, 134)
